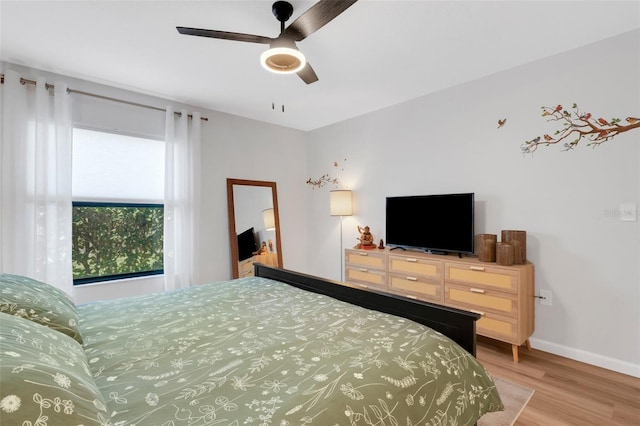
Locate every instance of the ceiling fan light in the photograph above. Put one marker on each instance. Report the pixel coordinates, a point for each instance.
(283, 60)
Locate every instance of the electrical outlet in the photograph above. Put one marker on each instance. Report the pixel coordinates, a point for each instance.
(546, 298)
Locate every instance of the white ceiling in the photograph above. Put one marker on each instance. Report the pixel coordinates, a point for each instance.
(376, 54)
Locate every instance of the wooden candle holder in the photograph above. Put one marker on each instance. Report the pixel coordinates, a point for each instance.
(504, 254)
(518, 239)
(486, 247)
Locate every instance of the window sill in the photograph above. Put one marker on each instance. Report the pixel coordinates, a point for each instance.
(115, 289)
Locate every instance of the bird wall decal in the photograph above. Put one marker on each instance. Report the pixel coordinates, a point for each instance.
(578, 126)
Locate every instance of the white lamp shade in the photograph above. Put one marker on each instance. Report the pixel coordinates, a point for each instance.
(341, 203)
(269, 219)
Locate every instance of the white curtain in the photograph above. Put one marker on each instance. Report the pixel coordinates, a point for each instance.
(35, 204)
(181, 199)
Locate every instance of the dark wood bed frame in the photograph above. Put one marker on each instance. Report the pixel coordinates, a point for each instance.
(458, 325)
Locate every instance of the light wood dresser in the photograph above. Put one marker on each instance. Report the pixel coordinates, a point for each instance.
(502, 295)
(245, 267)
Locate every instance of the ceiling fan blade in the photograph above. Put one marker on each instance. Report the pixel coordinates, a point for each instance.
(224, 35)
(307, 74)
(316, 17)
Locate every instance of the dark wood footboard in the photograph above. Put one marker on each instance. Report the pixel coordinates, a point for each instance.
(458, 325)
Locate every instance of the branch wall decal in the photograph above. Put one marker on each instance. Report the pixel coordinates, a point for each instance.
(325, 179)
(578, 126)
(322, 181)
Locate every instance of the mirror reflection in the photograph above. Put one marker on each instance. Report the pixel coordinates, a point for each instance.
(254, 225)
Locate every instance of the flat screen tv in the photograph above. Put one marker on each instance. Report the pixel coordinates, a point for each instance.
(247, 244)
(435, 223)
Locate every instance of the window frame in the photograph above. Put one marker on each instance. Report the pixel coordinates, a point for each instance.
(116, 277)
(97, 201)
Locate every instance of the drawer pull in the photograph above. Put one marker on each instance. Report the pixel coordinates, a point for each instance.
(363, 270)
(363, 285)
(410, 296)
(364, 254)
(476, 290)
(477, 312)
(412, 279)
(477, 268)
(411, 259)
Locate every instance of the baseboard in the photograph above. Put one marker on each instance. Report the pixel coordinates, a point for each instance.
(613, 364)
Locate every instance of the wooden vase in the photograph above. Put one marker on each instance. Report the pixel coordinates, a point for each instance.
(518, 239)
(486, 247)
(504, 254)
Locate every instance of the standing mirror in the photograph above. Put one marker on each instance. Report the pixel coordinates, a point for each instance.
(254, 225)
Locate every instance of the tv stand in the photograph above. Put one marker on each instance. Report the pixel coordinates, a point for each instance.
(398, 247)
(502, 295)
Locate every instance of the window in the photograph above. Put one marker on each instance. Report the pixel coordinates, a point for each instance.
(118, 188)
(116, 240)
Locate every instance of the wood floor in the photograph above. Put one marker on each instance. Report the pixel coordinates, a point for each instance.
(567, 392)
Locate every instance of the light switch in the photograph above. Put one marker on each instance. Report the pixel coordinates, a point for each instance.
(628, 212)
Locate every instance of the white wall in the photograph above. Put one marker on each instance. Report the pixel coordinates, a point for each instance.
(247, 149)
(449, 142)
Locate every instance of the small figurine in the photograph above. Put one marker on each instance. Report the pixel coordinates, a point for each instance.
(262, 250)
(270, 245)
(366, 238)
(381, 245)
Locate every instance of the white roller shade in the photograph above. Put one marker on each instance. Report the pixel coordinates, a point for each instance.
(109, 166)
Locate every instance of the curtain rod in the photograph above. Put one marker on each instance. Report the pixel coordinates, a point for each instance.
(93, 95)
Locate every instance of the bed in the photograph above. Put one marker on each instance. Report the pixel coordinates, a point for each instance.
(281, 348)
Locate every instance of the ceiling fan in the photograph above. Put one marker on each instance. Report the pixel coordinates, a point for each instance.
(283, 56)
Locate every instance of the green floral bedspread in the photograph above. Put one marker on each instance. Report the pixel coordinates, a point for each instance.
(259, 352)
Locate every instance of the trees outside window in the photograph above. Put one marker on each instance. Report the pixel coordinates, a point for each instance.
(115, 240)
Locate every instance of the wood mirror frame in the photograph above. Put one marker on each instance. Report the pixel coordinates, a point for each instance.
(233, 234)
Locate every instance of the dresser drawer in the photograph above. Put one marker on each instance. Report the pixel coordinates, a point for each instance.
(365, 259)
(481, 299)
(245, 267)
(493, 325)
(365, 277)
(421, 288)
(415, 266)
(478, 275)
(497, 327)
